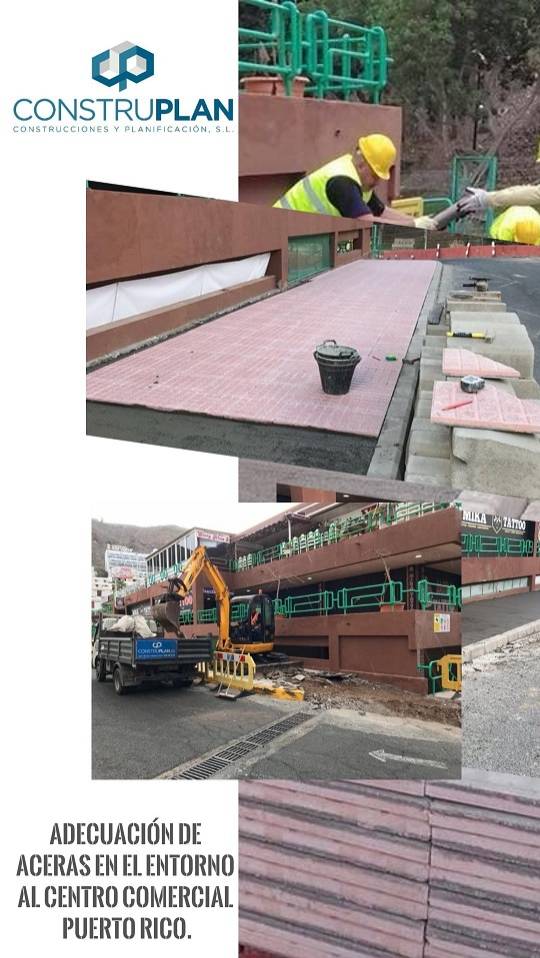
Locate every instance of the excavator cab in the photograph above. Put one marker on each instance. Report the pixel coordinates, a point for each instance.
(253, 626)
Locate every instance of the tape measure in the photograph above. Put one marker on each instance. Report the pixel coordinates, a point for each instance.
(472, 384)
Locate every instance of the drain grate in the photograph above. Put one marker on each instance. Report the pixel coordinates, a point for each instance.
(231, 754)
(279, 728)
(205, 769)
(237, 751)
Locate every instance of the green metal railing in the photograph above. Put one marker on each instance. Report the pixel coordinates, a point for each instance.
(342, 57)
(477, 544)
(334, 55)
(432, 594)
(368, 596)
(367, 520)
(280, 42)
(345, 600)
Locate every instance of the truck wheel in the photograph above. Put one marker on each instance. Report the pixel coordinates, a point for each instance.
(101, 670)
(119, 686)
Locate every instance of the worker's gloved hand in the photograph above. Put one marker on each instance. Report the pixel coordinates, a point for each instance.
(425, 223)
(473, 201)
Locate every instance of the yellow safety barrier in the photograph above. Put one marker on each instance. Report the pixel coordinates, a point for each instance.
(447, 665)
(409, 204)
(230, 669)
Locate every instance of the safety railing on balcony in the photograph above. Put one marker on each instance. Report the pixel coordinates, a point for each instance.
(433, 595)
(333, 55)
(369, 596)
(377, 517)
(427, 595)
(342, 57)
(478, 544)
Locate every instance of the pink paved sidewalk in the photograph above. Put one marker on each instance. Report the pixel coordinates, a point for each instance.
(257, 363)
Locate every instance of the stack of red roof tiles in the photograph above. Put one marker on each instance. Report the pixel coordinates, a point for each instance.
(383, 869)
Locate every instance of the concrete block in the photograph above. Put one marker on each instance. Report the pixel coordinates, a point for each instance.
(512, 347)
(428, 470)
(423, 408)
(430, 372)
(474, 294)
(532, 512)
(474, 500)
(504, 463)
(526, 389)
(478, 319)
(433, 352)
(434, 332)
(429, 439)
(476, 305)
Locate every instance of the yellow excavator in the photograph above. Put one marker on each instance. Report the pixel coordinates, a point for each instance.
(253, 629)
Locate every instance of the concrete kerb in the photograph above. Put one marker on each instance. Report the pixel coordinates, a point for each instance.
(388, 457)
(475, 650)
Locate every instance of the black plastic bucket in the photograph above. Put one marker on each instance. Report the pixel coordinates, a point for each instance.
(336, 366)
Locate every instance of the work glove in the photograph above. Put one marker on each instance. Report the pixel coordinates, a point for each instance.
(473, 201)
(425, 223)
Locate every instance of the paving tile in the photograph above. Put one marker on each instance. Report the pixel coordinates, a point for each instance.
(491, 408)
(257, 363)
(463, 362)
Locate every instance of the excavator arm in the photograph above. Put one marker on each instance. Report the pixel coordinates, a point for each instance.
(197, 563)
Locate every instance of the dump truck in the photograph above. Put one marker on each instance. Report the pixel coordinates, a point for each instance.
(136, 655)
(251, 630)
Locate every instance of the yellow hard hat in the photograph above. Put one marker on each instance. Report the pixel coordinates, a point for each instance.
(379, 152)
(527, 231)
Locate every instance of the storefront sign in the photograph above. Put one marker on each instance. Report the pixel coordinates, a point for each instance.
(497, 525)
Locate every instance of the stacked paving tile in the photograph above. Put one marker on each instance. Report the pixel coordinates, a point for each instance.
(388, 869)
(484, 883)
(502, 456)
(334, 870)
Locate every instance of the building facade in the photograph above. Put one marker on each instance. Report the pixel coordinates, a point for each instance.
(373, 589)
(501, 555)
(124, 563)
(170, 559)
(102, 590)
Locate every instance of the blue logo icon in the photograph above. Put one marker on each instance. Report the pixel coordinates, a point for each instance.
(127, 61)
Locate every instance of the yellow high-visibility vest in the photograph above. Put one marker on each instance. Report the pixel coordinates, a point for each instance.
(503, 226)
(309, 194)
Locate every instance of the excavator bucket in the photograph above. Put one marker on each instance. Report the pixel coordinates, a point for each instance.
(167, 614)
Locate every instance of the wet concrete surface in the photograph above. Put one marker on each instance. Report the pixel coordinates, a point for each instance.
(228, 437)
(482, 619)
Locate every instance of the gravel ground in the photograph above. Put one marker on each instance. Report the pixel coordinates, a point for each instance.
(501, 710)
(352, 692)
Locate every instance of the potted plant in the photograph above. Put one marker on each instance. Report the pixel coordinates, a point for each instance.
(389, 606)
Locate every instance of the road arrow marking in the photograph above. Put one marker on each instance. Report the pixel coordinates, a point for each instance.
(383, 756)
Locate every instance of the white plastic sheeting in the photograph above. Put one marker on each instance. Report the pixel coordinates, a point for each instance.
(107, 304)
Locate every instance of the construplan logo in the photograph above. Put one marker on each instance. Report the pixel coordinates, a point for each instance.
(120, 65)
(127, 61)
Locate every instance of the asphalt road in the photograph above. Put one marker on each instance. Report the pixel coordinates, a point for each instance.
(519, 283)
(501, 711)
(149, 732)
(480, 620)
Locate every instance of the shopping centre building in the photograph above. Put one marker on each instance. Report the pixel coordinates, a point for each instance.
(373, 589)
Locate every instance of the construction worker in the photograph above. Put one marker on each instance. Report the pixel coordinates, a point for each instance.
(476, 200)
(345, 186)
(518, 224)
